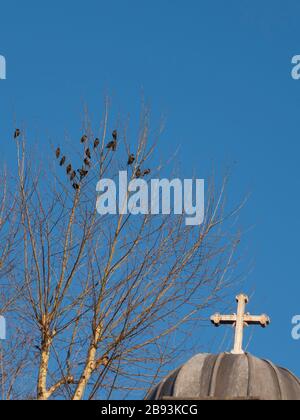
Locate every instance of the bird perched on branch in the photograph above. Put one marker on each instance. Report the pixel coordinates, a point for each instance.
(73, 176)
(96, 143)
(138, 173)
(131, 159)
(112, 145)
(69, 169)
(57, 153)
(147, 172)
(76, 186)
(17, 133)
(87, 162)
(88, 153)
(83, 173)
(63, 161)
(84, 139)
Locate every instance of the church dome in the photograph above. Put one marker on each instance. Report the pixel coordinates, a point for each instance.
(228, 376)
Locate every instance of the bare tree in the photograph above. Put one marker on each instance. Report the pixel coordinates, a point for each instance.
(106, 300)
(14, 351)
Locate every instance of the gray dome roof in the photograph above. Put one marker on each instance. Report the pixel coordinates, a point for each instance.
(228, 376)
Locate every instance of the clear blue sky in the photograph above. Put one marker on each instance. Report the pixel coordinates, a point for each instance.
(220, 72)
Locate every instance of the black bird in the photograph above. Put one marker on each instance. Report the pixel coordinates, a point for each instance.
(112, 145)
(63, 161)
(96, 143)
(69, 169)
(84, 139)
(147, 172)
(138, 173)
(88, 153)
(73, 176)
(57, 153)
(131, 159)
(83, 173)
(17, 133)
(76, 186)
(115, 135)
(87, 162)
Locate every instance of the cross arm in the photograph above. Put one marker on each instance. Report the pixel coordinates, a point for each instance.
(262, 320)
(219, 319)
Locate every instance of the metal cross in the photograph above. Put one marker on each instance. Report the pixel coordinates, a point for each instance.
(239, 321)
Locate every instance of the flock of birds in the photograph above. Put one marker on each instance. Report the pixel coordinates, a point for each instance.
(76, 176)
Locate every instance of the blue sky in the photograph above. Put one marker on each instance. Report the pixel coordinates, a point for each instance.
(221, 74)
